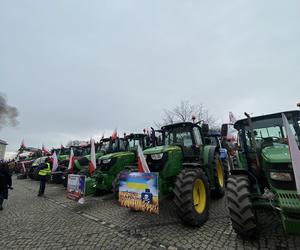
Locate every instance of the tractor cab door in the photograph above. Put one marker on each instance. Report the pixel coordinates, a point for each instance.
(189, 139)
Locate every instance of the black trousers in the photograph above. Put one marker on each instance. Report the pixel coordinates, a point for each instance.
(42, 184)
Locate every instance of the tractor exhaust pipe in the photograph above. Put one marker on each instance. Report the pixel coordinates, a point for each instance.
(252, 137)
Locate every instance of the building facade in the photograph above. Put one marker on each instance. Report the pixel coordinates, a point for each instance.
(2, 149)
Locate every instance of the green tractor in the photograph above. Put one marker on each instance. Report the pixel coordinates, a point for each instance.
(188, 169)
(122, 158)
(263, 173)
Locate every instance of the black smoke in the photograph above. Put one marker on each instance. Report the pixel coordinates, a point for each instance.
(8, 114)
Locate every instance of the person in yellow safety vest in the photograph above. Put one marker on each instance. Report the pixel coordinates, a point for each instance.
(45, 170)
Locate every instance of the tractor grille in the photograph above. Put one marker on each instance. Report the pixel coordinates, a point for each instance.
(107, 166)
(156, 165)
(289, 200)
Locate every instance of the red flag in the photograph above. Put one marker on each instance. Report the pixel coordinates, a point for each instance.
(92, 163)
(142, 164)
(71, 161)
(114, 135)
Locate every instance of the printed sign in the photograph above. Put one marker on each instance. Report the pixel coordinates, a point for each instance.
(139, 191)
(76, 187)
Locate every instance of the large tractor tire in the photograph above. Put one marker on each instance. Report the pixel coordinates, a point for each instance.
(219, 177)
(191, 196)
(240, 207)
(226, 168)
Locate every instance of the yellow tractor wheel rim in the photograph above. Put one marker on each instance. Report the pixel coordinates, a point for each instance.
(220, 174)
(199, 196)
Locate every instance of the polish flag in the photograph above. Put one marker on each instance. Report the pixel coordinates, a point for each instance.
(55, 162)
(294, 151)
(114, 135)
(92, 163)
(45, 151)
(142, 164)
(71, 161)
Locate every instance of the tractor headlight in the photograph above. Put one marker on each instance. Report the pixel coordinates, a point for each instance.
(106, 161)
(278, 176)
(157, 156)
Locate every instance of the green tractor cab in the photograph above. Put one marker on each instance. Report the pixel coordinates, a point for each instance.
(121, 157)
(263, 173)
(188, 169)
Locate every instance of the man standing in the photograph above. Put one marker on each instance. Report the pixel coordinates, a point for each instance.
(44, 171)
(5, 182)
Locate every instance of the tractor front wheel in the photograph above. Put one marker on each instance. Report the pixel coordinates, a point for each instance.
(240, 207)
(191, 196)
(219, 177)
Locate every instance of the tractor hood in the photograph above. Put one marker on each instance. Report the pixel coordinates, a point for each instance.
(117, 154)
(160, 149)
(276, 154)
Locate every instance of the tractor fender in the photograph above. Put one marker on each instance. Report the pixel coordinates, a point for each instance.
(209, 153)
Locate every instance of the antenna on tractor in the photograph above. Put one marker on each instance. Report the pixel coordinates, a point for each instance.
(298, 104)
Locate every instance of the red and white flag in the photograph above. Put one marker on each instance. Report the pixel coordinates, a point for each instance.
(114, 135)
(294, 151)
(55, 162)
(92, 163)
(232, 118)
(45, 151)
(71, 161)
(142, 164)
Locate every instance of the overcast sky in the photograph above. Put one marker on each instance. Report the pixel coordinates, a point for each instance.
(75, 69)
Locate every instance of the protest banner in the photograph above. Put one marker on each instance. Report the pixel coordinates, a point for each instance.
(139, 191)
(76, 187)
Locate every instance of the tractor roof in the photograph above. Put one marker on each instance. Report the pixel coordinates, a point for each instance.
(244, 122)
(179, 124)
(131, 136)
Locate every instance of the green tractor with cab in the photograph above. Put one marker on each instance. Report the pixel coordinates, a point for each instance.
(121, 158)
(263, 174)
(189, 169)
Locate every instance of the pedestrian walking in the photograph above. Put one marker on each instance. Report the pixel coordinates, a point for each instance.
(45, 170)
(5, 182)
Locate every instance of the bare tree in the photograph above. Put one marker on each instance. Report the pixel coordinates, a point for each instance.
(184, 112)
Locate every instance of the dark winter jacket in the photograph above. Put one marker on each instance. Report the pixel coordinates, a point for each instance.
(5, 180)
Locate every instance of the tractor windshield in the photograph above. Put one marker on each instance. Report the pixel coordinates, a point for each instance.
(271, 132)
(178, 135)
(134, 142)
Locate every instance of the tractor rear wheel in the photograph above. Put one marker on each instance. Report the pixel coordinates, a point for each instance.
(219, 177)
(240, 207)
(191, 196)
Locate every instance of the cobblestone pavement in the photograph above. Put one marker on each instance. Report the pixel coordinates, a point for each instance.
(54, 222)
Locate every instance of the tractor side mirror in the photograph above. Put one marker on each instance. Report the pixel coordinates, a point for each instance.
(205, 129)
(224, 130)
